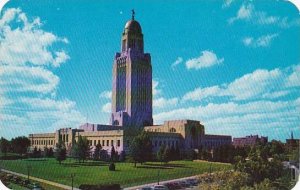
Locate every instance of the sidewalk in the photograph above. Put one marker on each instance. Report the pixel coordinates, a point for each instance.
(41, 180)
(161, 182)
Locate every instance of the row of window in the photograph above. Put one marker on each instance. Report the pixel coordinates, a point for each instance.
(42, 142)
(104, 143)
(64, 138)
(169, 143)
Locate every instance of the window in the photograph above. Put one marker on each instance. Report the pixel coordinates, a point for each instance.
(103, 142)
(119, 143)
(107, 143)
(95, 142)
(67, 138)
(112, 143)
(173, 130)
(98, 141)
(155, 144)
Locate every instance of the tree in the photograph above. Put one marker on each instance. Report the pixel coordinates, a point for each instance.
(141, 148)
(4, 145)
(161, 153)
(60, 152)
(112, 153)
(50, 152)
(122, 156)
(35, 153)
(167, 154)
(97, 151)
(46, 150)
(136, 150)
(81, 149)
(20, 145)
(173, 153)
(177, 152)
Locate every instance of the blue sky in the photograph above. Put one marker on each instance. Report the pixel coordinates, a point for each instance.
(233, 65)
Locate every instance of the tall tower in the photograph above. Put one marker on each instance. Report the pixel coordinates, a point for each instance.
(132, 80)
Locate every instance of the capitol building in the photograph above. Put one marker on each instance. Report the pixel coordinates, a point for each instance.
(132, 108)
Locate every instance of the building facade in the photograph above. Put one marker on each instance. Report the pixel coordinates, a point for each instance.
(132, 108)
(132, 80)
(250, 140)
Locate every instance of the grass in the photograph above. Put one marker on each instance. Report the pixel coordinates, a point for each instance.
(96, 172)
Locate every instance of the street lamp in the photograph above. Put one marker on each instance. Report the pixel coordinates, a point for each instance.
(158, 177)
(72, 177)
(28, 170)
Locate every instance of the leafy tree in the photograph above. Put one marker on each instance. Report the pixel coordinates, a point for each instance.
(277, 147)
(173, 153)
(81, 149)
(167, 154)
(122, 156)
(161, 153)
(46, 150)
(112, 153)
(104, 155)
(50, 152)
(259, 167)
(60, 152)
(36, 153)
(177, 152)
(141, 148)
(20, 145)
(97, 151)
(136, 150)
(4, 145)
(294, 157)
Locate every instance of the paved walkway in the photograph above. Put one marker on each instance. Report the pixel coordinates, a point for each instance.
(161, 182)
(41, 180)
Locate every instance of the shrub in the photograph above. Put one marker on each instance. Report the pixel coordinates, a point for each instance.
(112, 167)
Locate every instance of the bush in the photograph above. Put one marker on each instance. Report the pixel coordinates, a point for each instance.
(100, 187)
(12, 157)
(112, 167)
(122, 156)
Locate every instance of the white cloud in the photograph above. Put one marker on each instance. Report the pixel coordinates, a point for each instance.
(177, 62)
(263, 41)
(205, 60)
(106, 94)
(155, 90)
(260, 84)
(106, 108)
(61, 57)
(163, 103)
(258, 117)
(202, 93)
(293, 79)
(27, 57)
(227, 3)
(28, 43)
(247, 12)
(244, 13)
(28, 79)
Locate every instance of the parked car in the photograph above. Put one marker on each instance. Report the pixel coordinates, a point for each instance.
(160, 187)
(184, 184)
(177, 185)
(146, 188)
(193, 182)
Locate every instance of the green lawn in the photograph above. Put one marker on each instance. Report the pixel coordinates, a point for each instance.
(96, 172)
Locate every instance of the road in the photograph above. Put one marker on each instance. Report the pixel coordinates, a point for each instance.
(161, 182)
